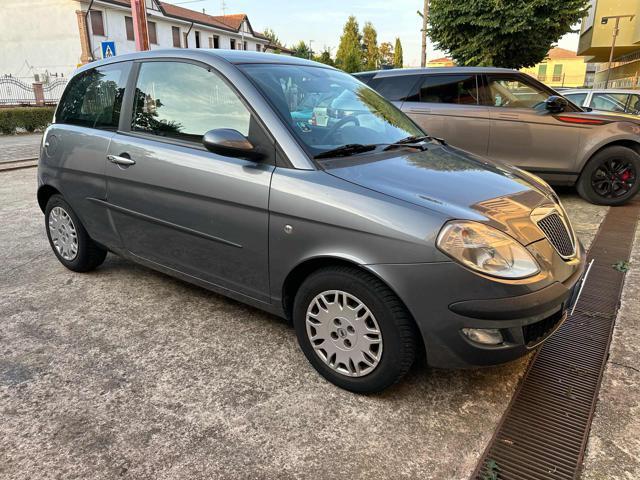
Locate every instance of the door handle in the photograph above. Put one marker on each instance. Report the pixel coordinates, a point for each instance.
(121, 160)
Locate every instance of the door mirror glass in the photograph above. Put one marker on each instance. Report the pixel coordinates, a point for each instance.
(230, 143)
(556, 104)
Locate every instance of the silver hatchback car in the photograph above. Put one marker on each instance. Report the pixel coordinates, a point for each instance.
(238, 172)
(507, 116)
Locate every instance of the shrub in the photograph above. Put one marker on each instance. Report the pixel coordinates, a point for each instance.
(28, 118)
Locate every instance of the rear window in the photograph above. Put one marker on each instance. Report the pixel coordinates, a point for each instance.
(396, 88)
(459, 89)
(365, 77)
(94, 98)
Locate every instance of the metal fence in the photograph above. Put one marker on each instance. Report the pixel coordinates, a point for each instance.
(15, 92)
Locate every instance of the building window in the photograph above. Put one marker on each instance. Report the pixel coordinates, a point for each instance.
(244, 45)
(197, 39)
(258, 47)
(97, 23)
(128, 23)
(557, 72)
(233, 44)
(175, 32)
(210, 42)
(186, 39)
(216, 41)
(542, 71)
(153, 34)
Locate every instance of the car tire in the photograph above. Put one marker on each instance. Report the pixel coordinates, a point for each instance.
(612, 166)
(69, 239)
(349, 335)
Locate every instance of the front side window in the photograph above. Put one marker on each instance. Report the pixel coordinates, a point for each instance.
(576, 98)
(633, 105)
(459, 89)
(184, 101)
(326, 108)
(610, 102)
(396, 88)
(93, 98)
(507, 91)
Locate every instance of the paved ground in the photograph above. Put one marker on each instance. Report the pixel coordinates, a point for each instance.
(19, 147)
(613, 451)
(127, 372)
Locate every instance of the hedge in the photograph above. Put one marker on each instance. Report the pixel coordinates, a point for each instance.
(28, 118)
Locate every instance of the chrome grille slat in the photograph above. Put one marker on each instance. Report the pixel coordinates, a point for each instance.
(558, 234)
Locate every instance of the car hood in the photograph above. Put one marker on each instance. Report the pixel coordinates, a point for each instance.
(453, 182)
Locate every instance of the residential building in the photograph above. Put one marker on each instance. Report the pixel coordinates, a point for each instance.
(53, 37)
(561, 68)
(596, 39)
(441, 62)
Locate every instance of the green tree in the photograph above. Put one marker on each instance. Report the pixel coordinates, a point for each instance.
(325, 57)
(501, 33)
(397, 54)
(370, 45)
(272, 37)
(301, 50)
(349, 55)
(386, 53)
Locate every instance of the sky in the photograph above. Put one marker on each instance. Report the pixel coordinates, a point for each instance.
(321, 21)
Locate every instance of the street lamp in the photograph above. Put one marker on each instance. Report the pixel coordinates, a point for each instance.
(616, 30)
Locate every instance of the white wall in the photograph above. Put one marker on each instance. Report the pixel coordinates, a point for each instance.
(38, 37)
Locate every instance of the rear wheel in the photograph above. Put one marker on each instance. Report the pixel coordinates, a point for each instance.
(68, 238)
(610, 177)
(353, 329)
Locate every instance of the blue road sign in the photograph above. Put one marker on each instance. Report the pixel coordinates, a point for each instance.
(108, 49)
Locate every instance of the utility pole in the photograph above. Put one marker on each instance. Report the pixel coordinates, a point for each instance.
(425, 21)
(140, 30)
(616, 30)
(310, 50)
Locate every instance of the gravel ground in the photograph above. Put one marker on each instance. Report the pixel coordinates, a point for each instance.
(19, 147)
(127, 372)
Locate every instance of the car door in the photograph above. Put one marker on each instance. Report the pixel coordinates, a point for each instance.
(448, 106)
(174, 203)
(523, 131)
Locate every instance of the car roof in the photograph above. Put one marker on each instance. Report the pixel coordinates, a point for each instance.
(431, 70)
(235, 57)
(601, 90)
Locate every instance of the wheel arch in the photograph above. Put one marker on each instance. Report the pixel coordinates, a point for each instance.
(45, 192)
(620, 142)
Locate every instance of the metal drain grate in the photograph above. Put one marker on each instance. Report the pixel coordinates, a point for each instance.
(544, 432)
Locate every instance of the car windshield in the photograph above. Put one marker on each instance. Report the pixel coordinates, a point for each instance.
(327, 109)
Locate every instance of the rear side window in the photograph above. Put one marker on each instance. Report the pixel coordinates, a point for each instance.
(396, 88)
(365, 77)
(94, 98)
(576, 98)
(184, 101)
(459, 89)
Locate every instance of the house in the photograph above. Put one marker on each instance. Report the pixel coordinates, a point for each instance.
(441, 62)
(596, 35)
(560, 68)
(43, 38)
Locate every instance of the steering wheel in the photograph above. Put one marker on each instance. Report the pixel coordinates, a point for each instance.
(332, 131)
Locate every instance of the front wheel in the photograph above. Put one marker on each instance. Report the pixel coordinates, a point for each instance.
(610, 177)
(353, 329)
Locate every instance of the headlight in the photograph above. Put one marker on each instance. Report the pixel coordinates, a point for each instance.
(486, 250)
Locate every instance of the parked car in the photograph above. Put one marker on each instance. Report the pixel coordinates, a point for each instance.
(507, 116)
(610, 100)
(373, 239)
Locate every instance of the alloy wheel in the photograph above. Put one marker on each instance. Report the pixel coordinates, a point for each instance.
(63, 233)
(613, 178)
(344, 333)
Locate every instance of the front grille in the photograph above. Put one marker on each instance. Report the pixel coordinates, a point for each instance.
(534, 333)
(558, 234)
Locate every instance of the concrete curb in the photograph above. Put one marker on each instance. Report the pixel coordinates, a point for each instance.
(18, 164)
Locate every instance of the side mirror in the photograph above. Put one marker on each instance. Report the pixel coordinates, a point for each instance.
(556, 104)
(231, 143)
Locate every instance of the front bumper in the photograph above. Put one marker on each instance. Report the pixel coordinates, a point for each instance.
(525, 313)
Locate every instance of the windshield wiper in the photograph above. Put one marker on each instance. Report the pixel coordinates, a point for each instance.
(347, 150)
(415, 139)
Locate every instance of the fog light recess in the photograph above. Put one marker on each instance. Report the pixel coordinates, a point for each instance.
(483, 336)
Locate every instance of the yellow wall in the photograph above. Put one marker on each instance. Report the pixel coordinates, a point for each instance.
(572, 74)
(444, 63)
(595, 40)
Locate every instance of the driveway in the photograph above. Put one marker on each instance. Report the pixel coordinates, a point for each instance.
(127, 372)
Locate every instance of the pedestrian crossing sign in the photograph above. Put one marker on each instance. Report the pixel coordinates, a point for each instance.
(108, 49)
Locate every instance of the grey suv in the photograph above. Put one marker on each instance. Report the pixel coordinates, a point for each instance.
(239, 172)
(507, 116)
